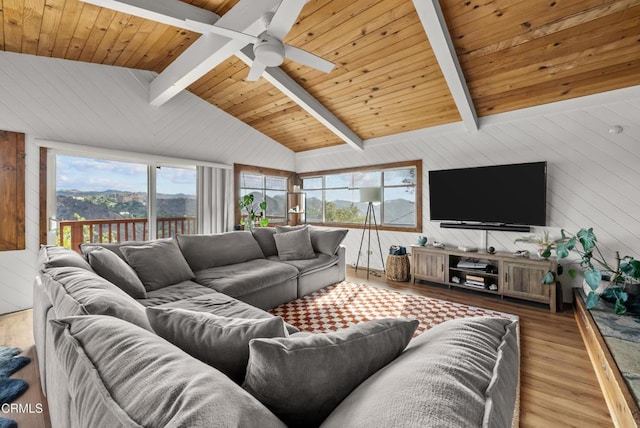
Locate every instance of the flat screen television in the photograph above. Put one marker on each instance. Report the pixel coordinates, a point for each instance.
(514, 194)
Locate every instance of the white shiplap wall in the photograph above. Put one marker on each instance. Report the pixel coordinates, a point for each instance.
(593, 177)
(106, 106)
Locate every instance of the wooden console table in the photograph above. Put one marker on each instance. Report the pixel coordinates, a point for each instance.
(507, 275)
(620, 400)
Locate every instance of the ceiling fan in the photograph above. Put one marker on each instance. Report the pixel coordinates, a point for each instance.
(268, 49)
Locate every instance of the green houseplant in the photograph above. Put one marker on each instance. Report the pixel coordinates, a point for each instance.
(544, 243)
(255, 212)
(624, 272)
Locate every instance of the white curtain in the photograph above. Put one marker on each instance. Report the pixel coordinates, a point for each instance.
(215, 200)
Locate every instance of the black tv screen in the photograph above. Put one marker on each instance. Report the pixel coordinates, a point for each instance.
(500, 194)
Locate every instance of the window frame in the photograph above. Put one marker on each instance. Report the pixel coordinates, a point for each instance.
(238, 169)
(378, 167)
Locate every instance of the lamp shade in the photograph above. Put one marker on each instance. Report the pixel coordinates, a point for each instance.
(370, 194)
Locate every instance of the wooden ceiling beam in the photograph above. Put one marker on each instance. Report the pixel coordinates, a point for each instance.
(281, 80)
(169, 12)
(435, 26)
(209, 51)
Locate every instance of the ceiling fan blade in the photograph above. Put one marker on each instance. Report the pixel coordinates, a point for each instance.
(308, 59)
(256, 71)
(202, 27)
(285, 17)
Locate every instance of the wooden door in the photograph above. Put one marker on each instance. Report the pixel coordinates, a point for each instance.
(12, 191)
(525, 280)
(428, 266)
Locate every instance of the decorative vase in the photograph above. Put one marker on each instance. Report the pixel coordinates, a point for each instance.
(248, 225)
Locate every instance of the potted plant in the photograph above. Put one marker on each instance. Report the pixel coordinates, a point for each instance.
(624, 273)
(255, 212)
(545, 245)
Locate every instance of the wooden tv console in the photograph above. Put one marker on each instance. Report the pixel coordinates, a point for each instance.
(512, 276)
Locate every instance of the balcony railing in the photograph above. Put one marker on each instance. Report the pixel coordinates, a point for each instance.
(72, 233)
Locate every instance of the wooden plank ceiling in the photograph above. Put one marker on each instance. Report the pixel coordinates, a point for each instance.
(514, 54)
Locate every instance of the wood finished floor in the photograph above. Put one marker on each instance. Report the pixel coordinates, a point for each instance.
(16, 330)
(558, 385)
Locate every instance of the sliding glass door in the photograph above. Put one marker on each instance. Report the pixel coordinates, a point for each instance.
(99, 200)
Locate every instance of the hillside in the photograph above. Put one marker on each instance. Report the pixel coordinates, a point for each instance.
(115, 204)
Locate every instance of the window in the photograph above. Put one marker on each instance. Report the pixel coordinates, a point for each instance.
(333, 197)
(265, 184)
(100, 200)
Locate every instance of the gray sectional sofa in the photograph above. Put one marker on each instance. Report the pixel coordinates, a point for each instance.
(101, 320)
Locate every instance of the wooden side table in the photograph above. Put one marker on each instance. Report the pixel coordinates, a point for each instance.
(398, 268)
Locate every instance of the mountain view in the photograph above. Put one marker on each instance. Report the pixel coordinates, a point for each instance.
(117, 204)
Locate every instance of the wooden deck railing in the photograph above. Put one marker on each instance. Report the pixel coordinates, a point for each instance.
(72, 233)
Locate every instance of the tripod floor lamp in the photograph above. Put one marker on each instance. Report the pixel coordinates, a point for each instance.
(370, 195)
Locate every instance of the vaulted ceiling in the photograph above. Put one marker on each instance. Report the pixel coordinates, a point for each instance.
(513, 54)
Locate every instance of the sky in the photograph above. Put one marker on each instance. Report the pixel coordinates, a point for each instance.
(75, 173)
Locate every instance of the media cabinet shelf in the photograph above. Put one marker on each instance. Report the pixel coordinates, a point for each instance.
(517, 277)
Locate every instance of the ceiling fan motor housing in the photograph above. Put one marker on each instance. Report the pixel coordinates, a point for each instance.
(269, 50)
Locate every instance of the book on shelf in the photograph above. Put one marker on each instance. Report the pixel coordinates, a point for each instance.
(475, 278)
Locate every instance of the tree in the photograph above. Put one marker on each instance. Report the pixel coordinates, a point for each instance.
(350, 214)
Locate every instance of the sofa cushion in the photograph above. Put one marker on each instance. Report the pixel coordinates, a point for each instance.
(264, 237)
(176, 292)
(308, 266)
(221, 342)
(115, 270)
(326, 240)
(51, 256)
(75, 291)
(158, 263)
(111, 246)
(245, 278)
(294, 245)
(445, 373)
(208, 251)
(122, 376)
(225, 306)
(303, 378)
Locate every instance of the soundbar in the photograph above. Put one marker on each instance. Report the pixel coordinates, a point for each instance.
(486, 226)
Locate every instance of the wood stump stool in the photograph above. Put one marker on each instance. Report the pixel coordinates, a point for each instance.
(398, 268)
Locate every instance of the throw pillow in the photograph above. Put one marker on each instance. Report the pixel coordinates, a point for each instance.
(85, 249)
(115, 270)
(51, 256)
(75, 291)
(264, 237)
(158, 264)
(221, 342)
(302, 379)
(294, 245)
(119, 375)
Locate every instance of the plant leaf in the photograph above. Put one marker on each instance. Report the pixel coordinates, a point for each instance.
(587, 239)
(263, 205)
(593, 278)
(573, 273)
(549, 278)
(631, 268)
(546, 253)
(592, 300)
(619, 307)
(264, 222)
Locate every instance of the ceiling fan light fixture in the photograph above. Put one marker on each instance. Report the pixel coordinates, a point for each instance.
(269, 51)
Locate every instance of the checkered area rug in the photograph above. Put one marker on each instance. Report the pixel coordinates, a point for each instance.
(345, 304)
